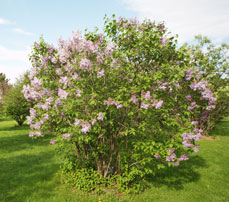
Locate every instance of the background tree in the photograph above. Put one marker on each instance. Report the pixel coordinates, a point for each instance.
(4, 87)
(213, 63)
(16, 105)
(4, 83)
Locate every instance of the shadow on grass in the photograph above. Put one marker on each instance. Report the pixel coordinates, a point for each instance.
(24, 175)
(15, 127)
(221, 129)
(27, 166)
(176, 177)
(22, 141)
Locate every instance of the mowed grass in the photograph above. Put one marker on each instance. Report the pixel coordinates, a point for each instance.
(29, 171)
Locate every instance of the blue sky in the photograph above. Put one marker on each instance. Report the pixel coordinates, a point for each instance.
(23, 21)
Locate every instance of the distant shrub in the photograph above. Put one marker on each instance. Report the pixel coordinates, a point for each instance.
(16, 106)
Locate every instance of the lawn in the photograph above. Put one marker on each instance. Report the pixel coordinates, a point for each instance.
(29, 172)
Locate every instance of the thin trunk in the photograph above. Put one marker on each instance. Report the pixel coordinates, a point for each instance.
(78, 151)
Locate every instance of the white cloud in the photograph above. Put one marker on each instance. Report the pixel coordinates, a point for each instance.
(186, 17)
(21, 31)
(14, 55)
(5, 22)
(14, 63)
(12, 72)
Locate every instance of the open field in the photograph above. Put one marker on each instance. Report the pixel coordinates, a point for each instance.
(29, 172)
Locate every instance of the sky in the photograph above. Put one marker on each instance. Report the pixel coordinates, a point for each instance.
(22, 22)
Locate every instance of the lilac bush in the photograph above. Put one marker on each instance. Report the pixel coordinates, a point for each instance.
(116, 101)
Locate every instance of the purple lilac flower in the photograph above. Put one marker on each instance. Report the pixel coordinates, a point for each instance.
(176, 163)
(38, 134)
(183, 157)
(133, 21)
(68, 67)
(100, 74)
(93, 121)
(58, 102)
(207, 94)
(75, 76)
(171, 150)
(109, 49)
(119, 106)
(199, 85)
(78, 93)
(171, 157)
(29, 120)
(30, 94)
(170, 91)
(85, 64)
(147, 95)
(46, 117)
(62, 94)
(159, 104)
(144, 106)
(77, 122)
(76, 35)
(95, 48)
(134, 99)
(194, 123)
(59, 71)
(186, 136)
(198, 76)
(66, 136)
(114, 64)
(212, 100)
(188, 76)
(157, 156)
(197, 131)
(45, 107)
(210, 107)
(36, 126)
(32, 73)
(106, 103)
(163, 40)
(44, 61)
(31, 134)
(188, 144)
(100, 58)
(54, 60)
(51, 49)
(46, 92)
(86, 127)
(33, 113)
(52, 141)
(195, 149)
(100, 117)
(189, 97)
(193, 106)
(64, 80)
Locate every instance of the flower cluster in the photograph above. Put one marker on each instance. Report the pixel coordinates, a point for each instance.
(110, 102)
(2, 102)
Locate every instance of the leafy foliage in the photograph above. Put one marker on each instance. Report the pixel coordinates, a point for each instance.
(213, 63)
(16, 105)
(4, 87)
(117, 103)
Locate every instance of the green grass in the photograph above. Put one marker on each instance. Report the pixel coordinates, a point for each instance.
(29, 172)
